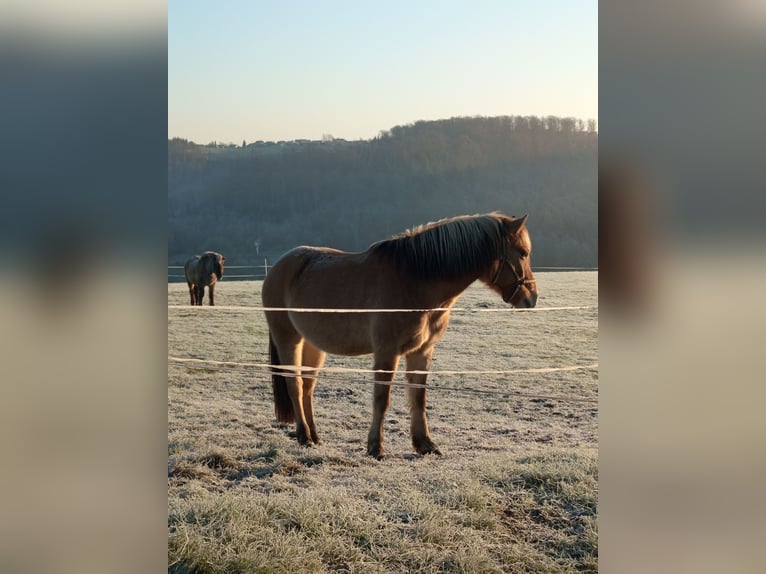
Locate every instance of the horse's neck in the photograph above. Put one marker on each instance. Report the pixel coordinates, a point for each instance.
(444, 292)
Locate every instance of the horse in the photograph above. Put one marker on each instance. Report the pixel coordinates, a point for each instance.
(203, 271)
(424, 269)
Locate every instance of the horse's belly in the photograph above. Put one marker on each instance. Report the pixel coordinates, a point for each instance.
(337, 335)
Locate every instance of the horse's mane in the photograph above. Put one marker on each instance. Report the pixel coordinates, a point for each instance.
(446, 248)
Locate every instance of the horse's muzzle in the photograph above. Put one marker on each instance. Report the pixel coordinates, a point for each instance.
(530, 300)
(527, 302)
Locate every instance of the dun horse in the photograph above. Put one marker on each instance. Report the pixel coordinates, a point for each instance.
(424, 268)
(203, 271)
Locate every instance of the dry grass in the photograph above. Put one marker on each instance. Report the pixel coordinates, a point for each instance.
(516, 489)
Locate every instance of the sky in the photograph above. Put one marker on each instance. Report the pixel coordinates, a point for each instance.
(298, 69)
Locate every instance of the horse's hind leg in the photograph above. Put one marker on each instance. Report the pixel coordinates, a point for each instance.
(381, 400)
(421, 438)
(192, 292)
(290, 354)
(311, 357)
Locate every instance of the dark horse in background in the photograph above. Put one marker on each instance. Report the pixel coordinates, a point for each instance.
(203, 271)
(424, 268)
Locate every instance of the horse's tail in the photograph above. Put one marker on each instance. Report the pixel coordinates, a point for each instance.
(283, 406)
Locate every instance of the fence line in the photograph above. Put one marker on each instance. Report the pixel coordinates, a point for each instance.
(536, 267)
(245, 309)
(200, 364)
(531, 371)
(227, 266)
(293, 370)
(265, 267)
(227, 276)
(558, 268)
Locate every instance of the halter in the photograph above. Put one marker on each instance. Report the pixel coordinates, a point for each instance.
(520, 279)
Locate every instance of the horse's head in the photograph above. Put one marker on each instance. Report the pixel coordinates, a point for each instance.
(513, 277)
(213, 264)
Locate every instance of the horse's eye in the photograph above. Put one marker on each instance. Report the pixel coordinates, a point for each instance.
(524, 253)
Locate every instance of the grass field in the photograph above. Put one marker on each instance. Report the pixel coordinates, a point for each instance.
(515, 491)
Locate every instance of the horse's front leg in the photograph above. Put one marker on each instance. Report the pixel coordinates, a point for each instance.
(381, 400)
(211, 294)
(421, 438)
(200, 294)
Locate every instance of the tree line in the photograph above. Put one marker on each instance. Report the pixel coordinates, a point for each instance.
(257, 200)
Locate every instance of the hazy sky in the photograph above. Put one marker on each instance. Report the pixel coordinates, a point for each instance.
(289, 69)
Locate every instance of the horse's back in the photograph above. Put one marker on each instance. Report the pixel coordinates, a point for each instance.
(286, 274)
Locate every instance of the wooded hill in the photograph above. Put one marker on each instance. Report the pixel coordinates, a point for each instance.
(348, 194)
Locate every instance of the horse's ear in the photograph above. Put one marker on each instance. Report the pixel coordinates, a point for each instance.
(514, 225)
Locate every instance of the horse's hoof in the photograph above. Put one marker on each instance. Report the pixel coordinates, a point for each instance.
(376, 452)
(435, 452)
(428, 448)
(305, 441)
